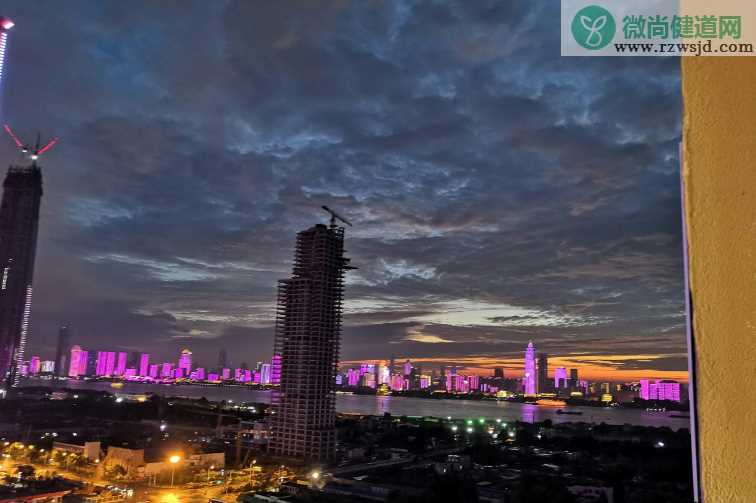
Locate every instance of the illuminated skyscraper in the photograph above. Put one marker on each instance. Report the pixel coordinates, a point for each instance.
(407, 369)
(185, 362)
(308, 328)
(560, 378)
(34, 364)
(529, 378)
(19, 222)
(120, 366)
(78, 362)
(62, 351)
(144, 364)
(265, 373)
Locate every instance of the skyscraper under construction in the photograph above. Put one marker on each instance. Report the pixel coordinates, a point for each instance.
(19, 222)
(306, 353)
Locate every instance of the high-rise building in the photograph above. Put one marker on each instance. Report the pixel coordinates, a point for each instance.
(144, 364)
(62, 351)
(265, 373)
(308, 329)
(499, 373)
(407, 369)
(19, 223)
(34, 365)
(120, 366)
(543, 373)
(185, 362)
(78, 362)
(574, 377)
(560, 378)
(529, 377)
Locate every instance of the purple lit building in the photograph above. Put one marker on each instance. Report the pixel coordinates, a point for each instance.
(529, 378)
(185, 362)
(353, 377)
(474, 382)
(78, 362)
(120, 367)
(560, 378)
(166, 370)
(34, 365)
(265, 373)
(144, 364)
(397, 382)
(660, 390)
(154, 370)
(407, 368)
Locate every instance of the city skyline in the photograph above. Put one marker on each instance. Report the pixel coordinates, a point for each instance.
(167, 216)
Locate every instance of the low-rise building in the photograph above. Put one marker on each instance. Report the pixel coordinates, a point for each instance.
(88, 450)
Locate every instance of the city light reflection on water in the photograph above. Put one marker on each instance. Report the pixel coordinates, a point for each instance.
(405, 406)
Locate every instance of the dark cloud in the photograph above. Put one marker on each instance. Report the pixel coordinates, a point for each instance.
(500, 192)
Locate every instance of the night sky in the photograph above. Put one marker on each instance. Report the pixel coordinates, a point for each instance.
(500, 193)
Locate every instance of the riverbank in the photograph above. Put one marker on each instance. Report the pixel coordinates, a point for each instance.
(396, 405)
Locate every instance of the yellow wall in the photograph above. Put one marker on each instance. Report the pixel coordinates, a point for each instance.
(720, 179)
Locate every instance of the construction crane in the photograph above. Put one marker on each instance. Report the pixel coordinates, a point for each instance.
(32, 153)
(335, 216)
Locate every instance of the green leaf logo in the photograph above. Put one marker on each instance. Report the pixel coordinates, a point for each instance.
(593, 27)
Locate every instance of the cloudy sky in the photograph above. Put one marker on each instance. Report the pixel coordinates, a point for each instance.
(500, 193)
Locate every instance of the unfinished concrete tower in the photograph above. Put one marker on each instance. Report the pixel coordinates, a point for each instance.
(306, 352)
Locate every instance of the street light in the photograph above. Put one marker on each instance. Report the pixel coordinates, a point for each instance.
(174, 461)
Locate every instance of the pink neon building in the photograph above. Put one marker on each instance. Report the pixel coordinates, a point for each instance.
(185, 362)
(560, 377)
(265, 373)
(74, 368)
(529, 378)
(166, 370)
(425, 382)
(247, 376)
(407, 368)
(353, 377)
(144, 364)
(660, 390)
(34, 365)
(154, 368)
(129, 372)
(213, 377)
(474, 382)
(275, 369)
(226, 374)
(105, 365)
(397, 382)
(120, 367)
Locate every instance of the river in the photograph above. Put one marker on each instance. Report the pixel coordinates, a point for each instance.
(400, 406)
